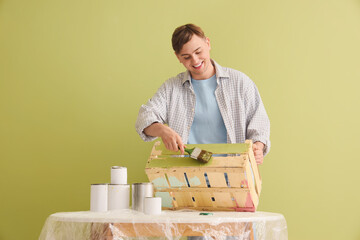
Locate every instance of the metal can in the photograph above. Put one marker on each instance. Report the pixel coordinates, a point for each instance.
(139, 192)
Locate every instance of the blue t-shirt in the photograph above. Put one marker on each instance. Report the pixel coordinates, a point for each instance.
(208, 125)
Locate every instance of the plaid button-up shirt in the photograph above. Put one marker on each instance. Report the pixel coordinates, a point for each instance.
(239, 101)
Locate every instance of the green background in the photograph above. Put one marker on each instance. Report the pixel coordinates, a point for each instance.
(74, 73)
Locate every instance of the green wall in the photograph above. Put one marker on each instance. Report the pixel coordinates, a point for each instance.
(73, 75)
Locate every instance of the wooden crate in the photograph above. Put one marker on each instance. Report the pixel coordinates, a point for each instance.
(230, 181)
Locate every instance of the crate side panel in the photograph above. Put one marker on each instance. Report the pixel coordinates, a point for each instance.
(166, 199)
(243, 199)
(183, 199)
(235, 179)
(216, 179)
(196, 179)
(224, 199)
(203, 199)
(158, 179)
(176, 179)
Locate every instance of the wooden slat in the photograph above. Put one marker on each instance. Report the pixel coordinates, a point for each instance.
(196, 179)
(203, 199)
(169, 162)
(223, 199)
(226, 148)
(183, 199)
(176, 179)
(187, 189)
(249, 177)
(216, 179)
(192, 170)
(158, 179)
(235, 178)
(240, 198)
(255, 170)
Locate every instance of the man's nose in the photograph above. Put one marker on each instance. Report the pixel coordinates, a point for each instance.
(195, 59)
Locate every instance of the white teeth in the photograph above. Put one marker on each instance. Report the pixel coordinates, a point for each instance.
(198, 65)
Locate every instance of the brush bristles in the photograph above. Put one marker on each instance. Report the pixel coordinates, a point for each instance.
(195, 153)
(201, 155)
(204, 156)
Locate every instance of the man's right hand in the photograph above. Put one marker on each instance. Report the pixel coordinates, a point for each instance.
(170, 138)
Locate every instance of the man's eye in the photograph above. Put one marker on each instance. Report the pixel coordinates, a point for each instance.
(198, 52)
(186, 57)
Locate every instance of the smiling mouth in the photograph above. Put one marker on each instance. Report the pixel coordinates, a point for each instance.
(199, 65)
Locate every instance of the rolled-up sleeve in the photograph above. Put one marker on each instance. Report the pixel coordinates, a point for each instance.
(257, 120)
(153, 111)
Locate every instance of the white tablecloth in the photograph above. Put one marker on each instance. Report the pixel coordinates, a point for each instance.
(98, 225)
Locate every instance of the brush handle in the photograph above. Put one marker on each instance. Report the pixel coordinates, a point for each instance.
(189, 150)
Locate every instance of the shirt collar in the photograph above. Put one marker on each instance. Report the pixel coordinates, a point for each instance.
(220, 73)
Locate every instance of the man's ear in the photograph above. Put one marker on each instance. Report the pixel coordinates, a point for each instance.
(207, 40)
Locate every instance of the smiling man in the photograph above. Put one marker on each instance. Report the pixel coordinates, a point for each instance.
(207, 103)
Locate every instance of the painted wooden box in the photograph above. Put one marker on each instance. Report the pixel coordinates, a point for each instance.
(230, 181)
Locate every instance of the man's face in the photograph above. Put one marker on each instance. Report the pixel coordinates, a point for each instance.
(195, 56)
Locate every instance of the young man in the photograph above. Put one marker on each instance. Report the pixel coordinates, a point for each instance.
(206, 104)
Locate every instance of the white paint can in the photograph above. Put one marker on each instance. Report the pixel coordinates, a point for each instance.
(99, 197)
(118, 175)
(152, 205)
(118, 196)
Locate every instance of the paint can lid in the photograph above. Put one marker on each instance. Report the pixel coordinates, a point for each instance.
(144, 183)
(117, 167)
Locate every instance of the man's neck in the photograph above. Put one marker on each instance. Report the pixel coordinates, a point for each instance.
(206, 75)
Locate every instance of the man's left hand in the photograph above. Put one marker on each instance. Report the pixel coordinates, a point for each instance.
(258, 148)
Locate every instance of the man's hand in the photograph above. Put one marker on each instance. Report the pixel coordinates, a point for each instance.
(170, 138)
(258, 149)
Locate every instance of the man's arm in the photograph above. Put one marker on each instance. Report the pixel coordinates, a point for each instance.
(257, 121)
(151, 119)
(170, 138)
(154, 111)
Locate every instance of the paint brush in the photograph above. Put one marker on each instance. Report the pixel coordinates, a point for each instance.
(198, 154)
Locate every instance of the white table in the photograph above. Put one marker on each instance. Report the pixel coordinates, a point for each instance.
(126, 224)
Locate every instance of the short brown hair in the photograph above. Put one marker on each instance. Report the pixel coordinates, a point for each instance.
(183, 34)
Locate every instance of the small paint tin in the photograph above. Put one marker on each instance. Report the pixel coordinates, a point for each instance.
(206, 213)
(118, 175)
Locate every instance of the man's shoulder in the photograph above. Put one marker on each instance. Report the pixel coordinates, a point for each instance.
(228, 72)
(175, 80)
(236, 75)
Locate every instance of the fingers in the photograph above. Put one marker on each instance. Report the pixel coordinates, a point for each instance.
(172, 141)
(182, 150)
(259, 160)
(258, 148)
(259, 156)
